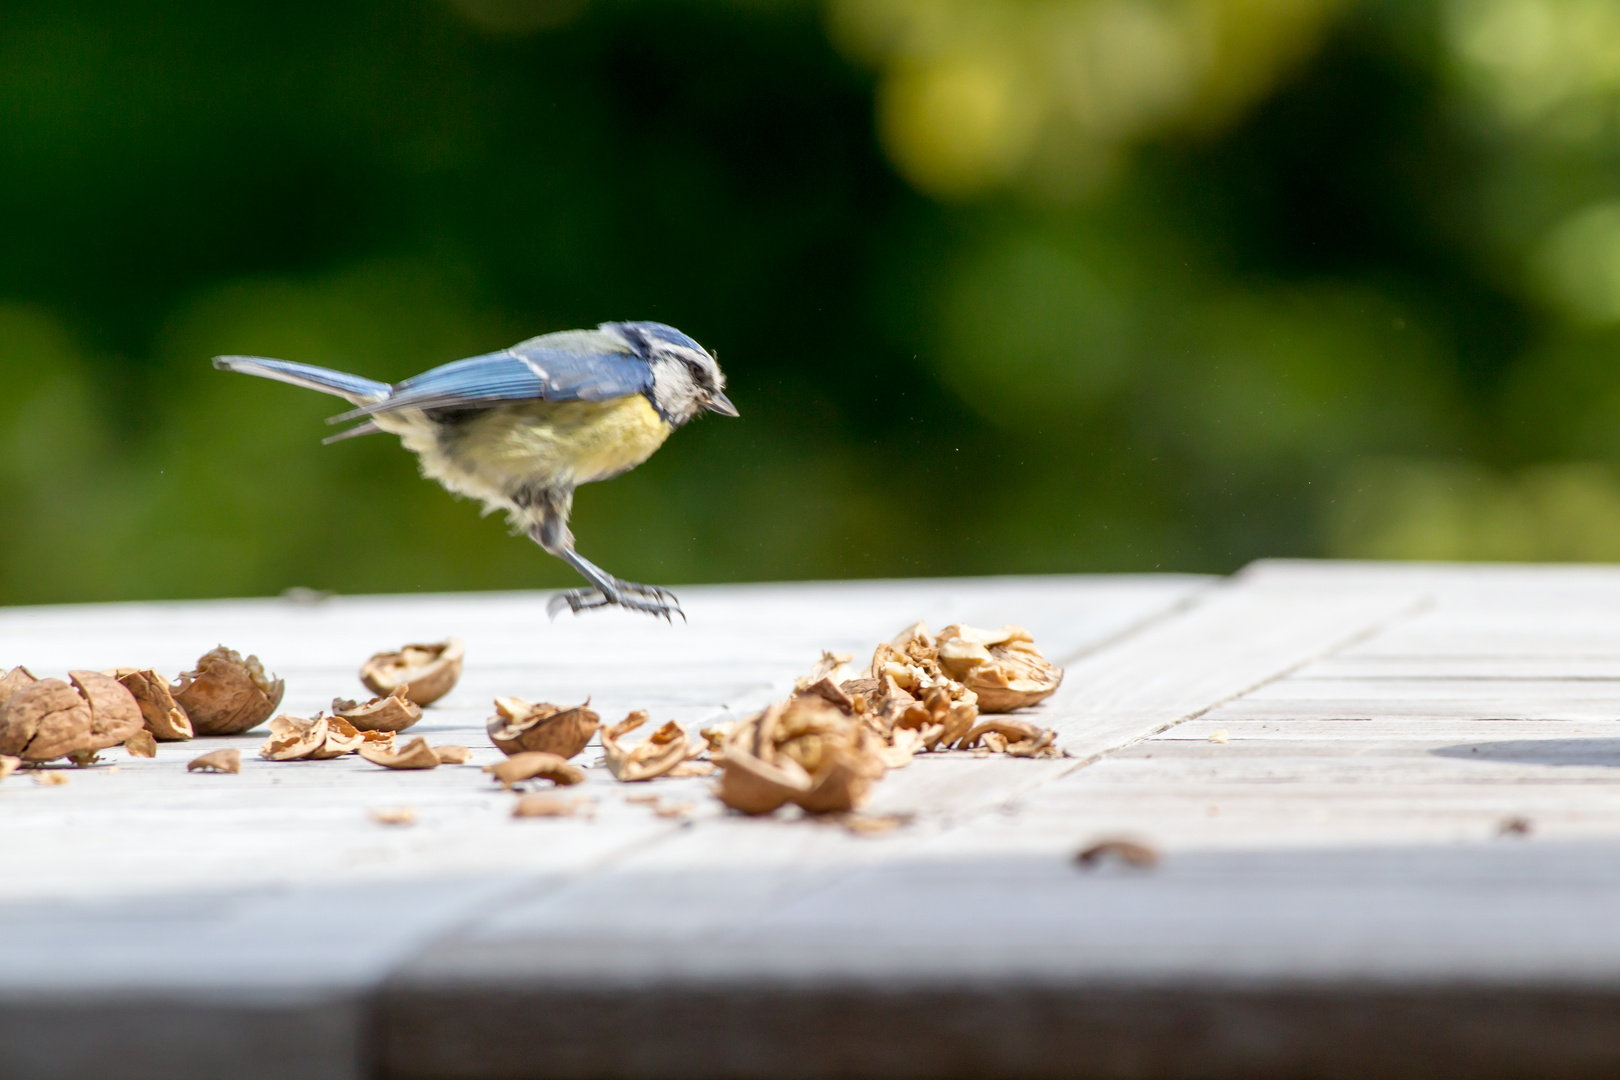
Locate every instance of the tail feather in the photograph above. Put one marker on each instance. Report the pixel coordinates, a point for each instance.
(367, 428)
(353, 387)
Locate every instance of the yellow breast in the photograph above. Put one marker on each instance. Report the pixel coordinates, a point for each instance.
(577, 441)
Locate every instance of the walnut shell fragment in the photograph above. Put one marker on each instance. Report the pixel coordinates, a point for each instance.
(163, 716)
(654, 756)
(1003, 667)
(1019, 738)
(141, 744)
(453, 755)
(219, 761)
(294, 738)
(805, 750)
(9, 765)
(535, 765)
(392, 712)
(49, 718)
(416, 754)
(227, 695)
(428, 672)
(519, 726)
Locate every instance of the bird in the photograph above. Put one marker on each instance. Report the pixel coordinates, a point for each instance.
(521, 428)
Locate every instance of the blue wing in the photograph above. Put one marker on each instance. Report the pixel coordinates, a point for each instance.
(571, 366)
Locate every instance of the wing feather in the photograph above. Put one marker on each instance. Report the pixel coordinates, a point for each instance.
(575, 368)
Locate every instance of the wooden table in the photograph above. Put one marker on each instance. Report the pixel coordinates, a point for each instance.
(1403, 860)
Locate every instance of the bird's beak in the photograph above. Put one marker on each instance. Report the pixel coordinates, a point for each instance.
(719, 403)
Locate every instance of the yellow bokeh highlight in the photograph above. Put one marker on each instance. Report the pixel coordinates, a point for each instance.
(1551, 64)
(974, 94)
(1578, 266)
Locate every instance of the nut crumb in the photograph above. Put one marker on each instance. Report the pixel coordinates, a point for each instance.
(875, 824)
(1130, 853)
(1219, 736)
(51, 778)
(1515, 826)
(394, 815)
(219, 761)
(544, 806)
(674, 810)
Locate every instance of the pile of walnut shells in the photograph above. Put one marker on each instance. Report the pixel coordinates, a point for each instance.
(42, 720)
(822, 749)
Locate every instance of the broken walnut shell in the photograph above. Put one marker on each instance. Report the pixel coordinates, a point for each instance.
(416, 754)
(9, 765)
(293, 737)
(394, 711)
(654, 756)
(163, 716)
(428, 672)
(141, 744)
(453, 755)
(220, 761)
(49, 718)
(114, 715)
(520, 726)
(1010, 732)
(1003, 667)
(227, 695)
(535, 765)
(45, 719)
(805, 751)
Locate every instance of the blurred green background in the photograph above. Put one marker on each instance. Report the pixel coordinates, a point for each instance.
(1000, 286)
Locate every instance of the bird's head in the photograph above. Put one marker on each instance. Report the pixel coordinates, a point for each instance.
(686, 379)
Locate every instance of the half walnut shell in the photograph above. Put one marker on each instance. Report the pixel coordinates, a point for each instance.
(393, 712)
(226, 694)
(48, 718)
(1002, 666)
(804, 750)
(428, 672)
(163, 716)
(520, 726)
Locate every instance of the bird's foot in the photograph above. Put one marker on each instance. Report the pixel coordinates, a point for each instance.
(626, 594)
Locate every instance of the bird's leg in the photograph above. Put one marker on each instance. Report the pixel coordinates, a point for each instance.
(606, 590)
(610, 590)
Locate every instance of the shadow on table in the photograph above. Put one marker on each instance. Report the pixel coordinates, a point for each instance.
(1539, 751)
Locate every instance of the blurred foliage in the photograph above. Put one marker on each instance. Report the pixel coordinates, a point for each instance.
(1000, 285)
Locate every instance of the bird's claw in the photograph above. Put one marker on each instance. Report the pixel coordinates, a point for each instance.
(653, 600)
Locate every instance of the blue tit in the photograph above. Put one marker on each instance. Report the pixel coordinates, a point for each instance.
(520, 429)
